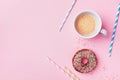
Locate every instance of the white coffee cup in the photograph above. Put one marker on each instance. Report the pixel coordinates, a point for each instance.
(98, 26)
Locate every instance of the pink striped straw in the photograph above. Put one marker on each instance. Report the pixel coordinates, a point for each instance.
(71, 73)
(60, 68)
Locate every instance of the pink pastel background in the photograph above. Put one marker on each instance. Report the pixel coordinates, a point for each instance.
(29, 33)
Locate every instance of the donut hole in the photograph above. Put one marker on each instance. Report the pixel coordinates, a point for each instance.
(84, 61)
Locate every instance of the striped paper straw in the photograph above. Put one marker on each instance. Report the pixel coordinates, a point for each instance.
(67, 15)
(71, 73)
(59, 67)
(114, 30)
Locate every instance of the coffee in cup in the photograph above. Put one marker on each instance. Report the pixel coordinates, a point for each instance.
(88, 24)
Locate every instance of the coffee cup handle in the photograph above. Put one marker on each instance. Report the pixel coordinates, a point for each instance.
(103, 32)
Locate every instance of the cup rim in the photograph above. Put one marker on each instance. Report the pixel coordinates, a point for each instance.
(98, 17)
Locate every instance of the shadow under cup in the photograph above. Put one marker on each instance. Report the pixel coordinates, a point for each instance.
(88, 24)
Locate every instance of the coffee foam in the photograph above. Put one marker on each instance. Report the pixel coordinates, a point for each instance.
(85, 24)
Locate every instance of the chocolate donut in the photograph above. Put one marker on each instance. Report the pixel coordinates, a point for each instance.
(84, 61)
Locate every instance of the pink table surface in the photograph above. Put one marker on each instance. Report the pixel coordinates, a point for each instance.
(29, 33)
